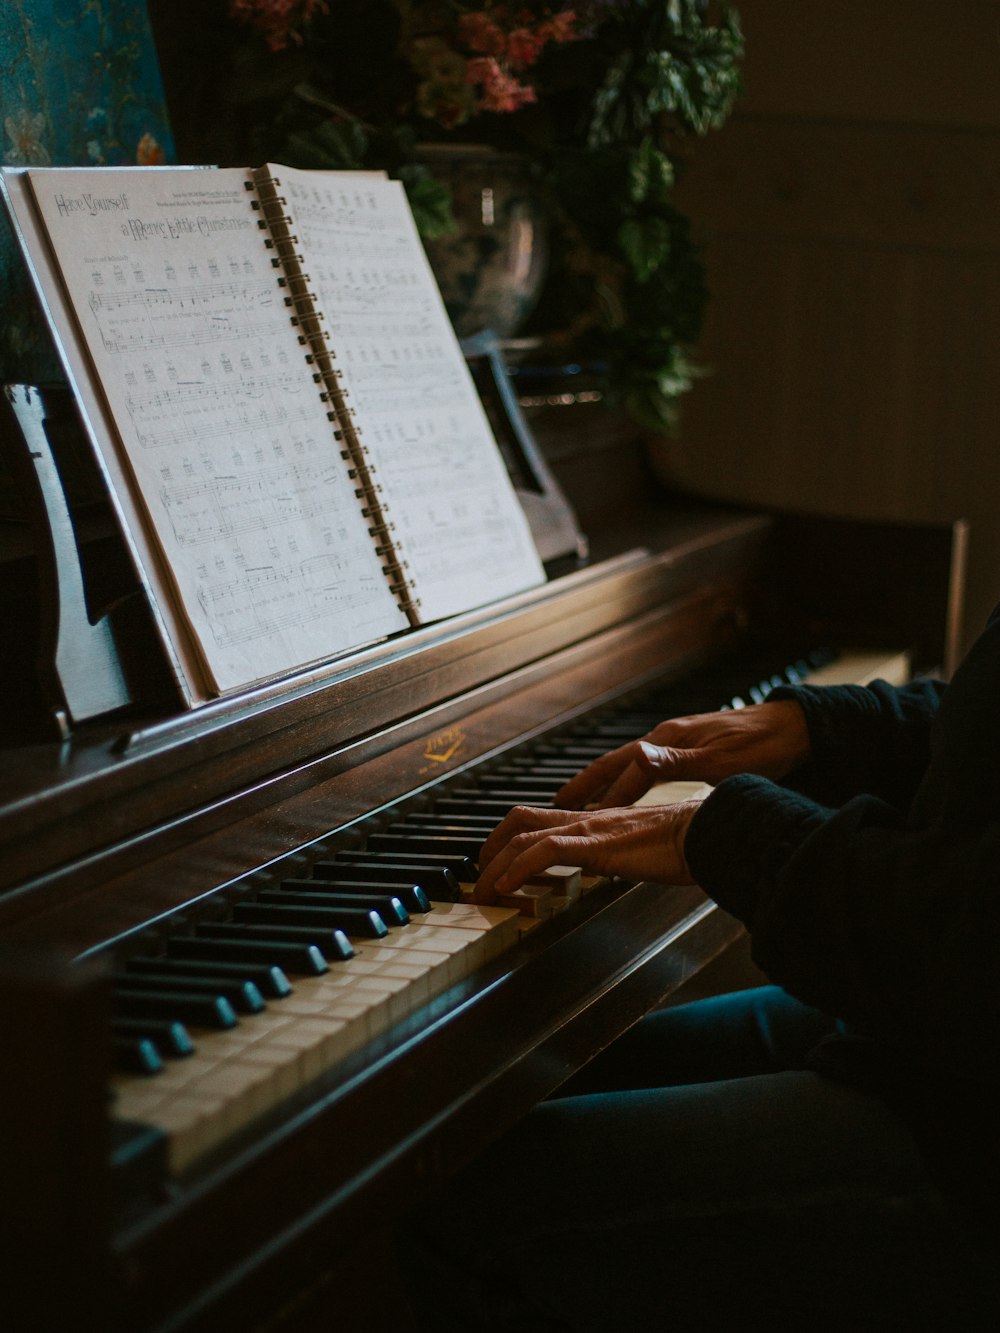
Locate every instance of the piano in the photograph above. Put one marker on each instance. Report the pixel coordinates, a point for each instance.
(253, 1192)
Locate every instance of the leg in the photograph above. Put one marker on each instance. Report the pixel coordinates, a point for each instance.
(757, 1031)
(779, 1201)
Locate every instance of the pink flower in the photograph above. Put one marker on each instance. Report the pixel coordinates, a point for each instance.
(499, 91)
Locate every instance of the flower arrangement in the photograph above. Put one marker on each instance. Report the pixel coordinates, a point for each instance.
(602, 96)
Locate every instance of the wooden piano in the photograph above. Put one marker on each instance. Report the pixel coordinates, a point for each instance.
(141, 829)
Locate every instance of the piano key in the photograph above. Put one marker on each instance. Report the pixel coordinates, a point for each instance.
(237, 1076)
(433, 819)
(417, 840)
(312, 894)
(462, 867)
(244, 996)
(445, 826)
(208, 1010)
(270, 981)
(483, 806)
(374, 891)
(437, 882)
(136, 1054)
(544, 764)
(487, 791)
(295, 956)
(171, 1039)
(518, 779)
(353, 920)
(331, 946)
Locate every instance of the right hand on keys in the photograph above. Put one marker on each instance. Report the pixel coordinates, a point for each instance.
(769, 739)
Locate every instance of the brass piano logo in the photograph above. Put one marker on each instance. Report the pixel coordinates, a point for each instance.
(444, 746)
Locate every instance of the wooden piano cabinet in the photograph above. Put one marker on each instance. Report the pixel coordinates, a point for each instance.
(137, 826)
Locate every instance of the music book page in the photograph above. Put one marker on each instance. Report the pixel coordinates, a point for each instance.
(271, 368)
(457, 525)
(227, 438)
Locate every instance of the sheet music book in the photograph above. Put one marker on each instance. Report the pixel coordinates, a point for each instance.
(264, 363)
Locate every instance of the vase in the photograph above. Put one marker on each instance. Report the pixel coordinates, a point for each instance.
(490, 270)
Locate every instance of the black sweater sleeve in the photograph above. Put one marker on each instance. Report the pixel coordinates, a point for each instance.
(890, 927)
(865, 738)
(882, 910)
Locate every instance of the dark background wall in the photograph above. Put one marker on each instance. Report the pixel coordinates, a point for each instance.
(851, 212)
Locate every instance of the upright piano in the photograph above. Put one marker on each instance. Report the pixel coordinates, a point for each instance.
(238, 1193)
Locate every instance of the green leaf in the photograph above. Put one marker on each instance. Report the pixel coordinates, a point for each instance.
(645, 243)
(650, 174)
(430, 204)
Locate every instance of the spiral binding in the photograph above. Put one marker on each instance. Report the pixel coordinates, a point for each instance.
(308, 319)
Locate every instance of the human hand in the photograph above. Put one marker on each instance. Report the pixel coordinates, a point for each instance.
(769, 739)
(635, 843)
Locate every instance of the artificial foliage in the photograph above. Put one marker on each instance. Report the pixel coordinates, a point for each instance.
(605, 99)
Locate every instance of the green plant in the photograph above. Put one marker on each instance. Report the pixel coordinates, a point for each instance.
(603, 96)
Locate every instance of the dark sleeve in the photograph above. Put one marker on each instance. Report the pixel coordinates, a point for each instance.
(865, 738)
(892, 927)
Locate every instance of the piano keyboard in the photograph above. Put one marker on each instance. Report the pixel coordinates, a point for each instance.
(237, 1016)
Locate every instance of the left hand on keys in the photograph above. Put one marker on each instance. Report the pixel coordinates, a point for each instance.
(636, 843)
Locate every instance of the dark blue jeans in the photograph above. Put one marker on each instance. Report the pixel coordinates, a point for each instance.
(697, 1176)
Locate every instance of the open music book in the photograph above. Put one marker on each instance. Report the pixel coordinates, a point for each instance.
(285, 418)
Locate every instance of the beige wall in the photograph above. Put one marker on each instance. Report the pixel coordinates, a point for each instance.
(851, 212)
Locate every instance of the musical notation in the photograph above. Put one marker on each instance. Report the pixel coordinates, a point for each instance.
(424, 425)
(223, 427)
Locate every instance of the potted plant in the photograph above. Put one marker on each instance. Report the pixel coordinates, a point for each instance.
(599, 98)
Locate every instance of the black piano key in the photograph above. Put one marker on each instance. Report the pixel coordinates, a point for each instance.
(487, 791)
(135, 1055)
(299, 957)
(437, 882)
(242, 995)
(431, 819)
(269, 980)
(213, 1011)
(374, 889)
(543, 764)
(446, 825)
(171, 1039)
(529, 779)
(484, 805)
(333, 946)
(425, 842)
(577, 751)
(353, 920)
(309, 893)
(462, 867)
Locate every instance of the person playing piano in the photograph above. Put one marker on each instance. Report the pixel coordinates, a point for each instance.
(819, 1153)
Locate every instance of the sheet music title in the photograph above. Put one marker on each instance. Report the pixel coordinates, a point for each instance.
(139, 229)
